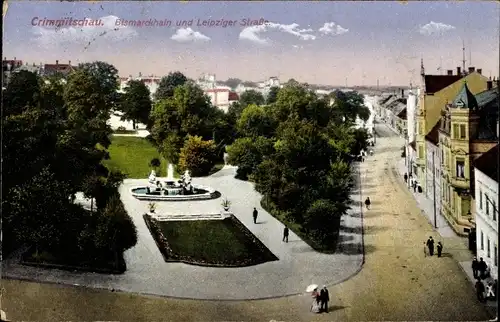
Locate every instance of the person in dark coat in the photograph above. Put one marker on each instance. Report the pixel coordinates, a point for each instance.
(368, 203)
(439, 248)
(325, 298)
(482, 267)
(255, 214)
(480, 290)
(285, 234)
(475, 267)
(406, 177)
(430, 245)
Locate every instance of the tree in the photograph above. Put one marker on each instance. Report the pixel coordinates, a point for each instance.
(136, 102)
(322, 220)
(234, 111)
(188, 112)
(22, 91)
(255, 121)
(108, 79)
(233, 82)
(197, 156)
(247, 153)
(251, 97)
(272, 96)
(168, 84)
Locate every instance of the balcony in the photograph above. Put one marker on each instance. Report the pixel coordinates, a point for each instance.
(461, 183)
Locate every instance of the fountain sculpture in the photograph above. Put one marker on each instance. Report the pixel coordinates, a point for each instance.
(171, 189)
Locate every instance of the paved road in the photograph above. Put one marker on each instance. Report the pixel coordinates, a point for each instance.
(397, 282)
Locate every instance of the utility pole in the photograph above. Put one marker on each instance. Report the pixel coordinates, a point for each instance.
(463, 58)
(434, 189)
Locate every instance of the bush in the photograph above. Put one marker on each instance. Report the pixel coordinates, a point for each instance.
(121, 128)
(322, 221)
(155, 163)
(197, 156)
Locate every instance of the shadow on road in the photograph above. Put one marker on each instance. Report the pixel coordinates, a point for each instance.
(367, 231)
(354, 249)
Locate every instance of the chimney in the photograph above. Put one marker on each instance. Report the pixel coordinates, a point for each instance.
(489, 84)
(480, 71)
(33, 64)
(459, 71)
(402, 93)
(471, 69)
(15, 58)
(450, 72)
(69, 63)
(57, 62)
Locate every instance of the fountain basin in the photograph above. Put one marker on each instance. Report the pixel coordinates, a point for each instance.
(173, 193)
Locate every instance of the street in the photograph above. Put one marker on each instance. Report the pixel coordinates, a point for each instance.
(397, 282)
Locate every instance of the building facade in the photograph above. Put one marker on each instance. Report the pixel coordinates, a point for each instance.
(468, 129)
(433, 167)
(411, 111)
(436, 92)
(486, 214)
(151, 82)
(222, 97)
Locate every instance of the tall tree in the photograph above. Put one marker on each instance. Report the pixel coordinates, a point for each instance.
(272, 96)
(136, 102)
(255, 121)
(233, 82)
(107, 76)
(168, 84)
(251, 97)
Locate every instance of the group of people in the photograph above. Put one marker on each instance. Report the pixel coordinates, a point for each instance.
(320, 300)
(413, 182)
(481, 272)
(430, 245)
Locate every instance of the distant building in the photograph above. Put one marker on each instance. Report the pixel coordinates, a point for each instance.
(152, 82)
(222, 97)
(433, 168)
(57, 68)
(486, 208)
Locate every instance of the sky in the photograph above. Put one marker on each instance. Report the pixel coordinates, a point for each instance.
(330, 43)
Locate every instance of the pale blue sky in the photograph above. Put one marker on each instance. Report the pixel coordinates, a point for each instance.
(377, 40)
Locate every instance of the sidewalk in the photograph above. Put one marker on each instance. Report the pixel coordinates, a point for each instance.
(467, 268)
(427, 206)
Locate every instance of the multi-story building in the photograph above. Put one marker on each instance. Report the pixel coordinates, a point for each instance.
(486, 204)
(468, 129)
(436, 92)
(433, 167)
(152, 82)
(221, 97)
(57, 68)
(411, 110)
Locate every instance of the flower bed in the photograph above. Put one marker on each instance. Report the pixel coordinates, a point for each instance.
(218, 243)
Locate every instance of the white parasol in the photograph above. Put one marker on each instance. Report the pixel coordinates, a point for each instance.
(311, 287)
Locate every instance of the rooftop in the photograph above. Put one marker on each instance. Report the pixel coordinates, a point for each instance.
(488, 163)
(465, 98)
(433, 135)
(435, 83)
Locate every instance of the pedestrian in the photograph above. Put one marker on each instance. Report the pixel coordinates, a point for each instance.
(285, 234)
(315, 307)
(490, 294)
(480, 290)
(325, 298)
(430, 245)
(255, 214)
(406, 177)
(475, 267)
(415, 186)
(482, 268)
(439, 248)
(368, 202)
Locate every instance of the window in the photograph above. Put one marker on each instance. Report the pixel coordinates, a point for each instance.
(463, 134)
(488, 252)
(495, 256)
(420, 151)
(455, 133)
(494, 211)
(482, 240)
(487, 207)
(480, 199)
(460, 169)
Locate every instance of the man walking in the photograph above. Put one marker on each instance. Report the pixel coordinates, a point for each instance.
(325, 298)
(368, 203)
(475, 267)
(405, 177)
(255, 214)
(430, 245)
(439, 248)
(482, 268)
(480, 290)
(285, 234)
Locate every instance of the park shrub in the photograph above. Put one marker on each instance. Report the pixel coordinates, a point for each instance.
(198, 156)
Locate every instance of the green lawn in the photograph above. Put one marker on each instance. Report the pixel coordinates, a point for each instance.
(132, 156)
(214, 242)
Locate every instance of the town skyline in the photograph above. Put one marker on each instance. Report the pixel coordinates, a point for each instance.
(337, 44)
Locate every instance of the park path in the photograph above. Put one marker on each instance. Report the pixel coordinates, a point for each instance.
(396, 283)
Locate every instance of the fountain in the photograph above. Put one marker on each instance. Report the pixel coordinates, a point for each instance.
(172, 189)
